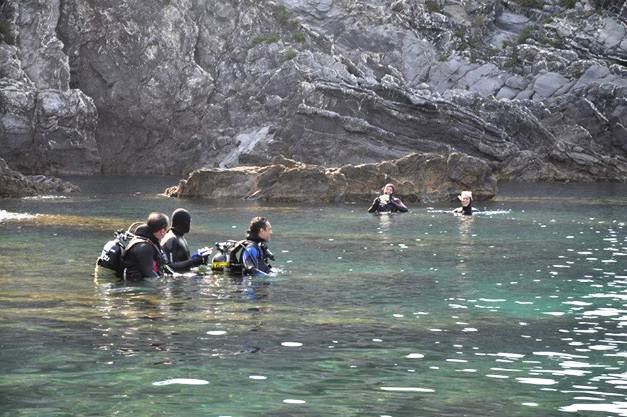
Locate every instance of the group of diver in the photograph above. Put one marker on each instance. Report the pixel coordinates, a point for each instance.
(158, 246)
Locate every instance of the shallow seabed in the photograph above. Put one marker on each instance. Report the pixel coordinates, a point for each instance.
(520, 311)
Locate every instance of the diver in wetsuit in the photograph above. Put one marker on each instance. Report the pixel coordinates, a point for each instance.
(143, 257)
(466, 209)
(175, 245)
(387, 203)
(256, 255)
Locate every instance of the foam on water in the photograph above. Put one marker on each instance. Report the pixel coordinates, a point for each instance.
(9, 216)
(537, 381)
(407, 389)
(618, 408)
(46, 197)
(291, 344)
(181, 381)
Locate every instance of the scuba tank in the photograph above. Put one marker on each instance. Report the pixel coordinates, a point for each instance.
(229, 256)
(111, 255)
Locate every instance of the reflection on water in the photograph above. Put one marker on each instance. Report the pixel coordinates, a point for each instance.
(518, 312)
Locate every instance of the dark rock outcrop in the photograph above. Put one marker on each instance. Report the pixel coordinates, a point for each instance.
(425, 177)
(15, 184)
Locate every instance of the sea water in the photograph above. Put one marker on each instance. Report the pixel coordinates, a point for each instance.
(520, 310)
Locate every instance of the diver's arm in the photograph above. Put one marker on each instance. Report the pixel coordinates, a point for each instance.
(174, 251)
(251, 260)
(144, 253)
(399, 204)
(374, 206)
(182, 266)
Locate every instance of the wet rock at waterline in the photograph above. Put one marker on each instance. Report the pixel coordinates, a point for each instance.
(15, 184)
(426, 177)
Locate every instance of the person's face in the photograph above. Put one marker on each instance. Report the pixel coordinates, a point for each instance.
(465, 201)
(160, 234)
(265, 233)
(388, 190)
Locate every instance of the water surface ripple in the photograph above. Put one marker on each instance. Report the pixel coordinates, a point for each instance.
(521, 311)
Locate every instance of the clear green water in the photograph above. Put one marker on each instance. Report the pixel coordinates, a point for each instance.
(518, 313)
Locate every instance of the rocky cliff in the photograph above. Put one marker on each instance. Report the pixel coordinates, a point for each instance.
(45, 127)
(535, 90)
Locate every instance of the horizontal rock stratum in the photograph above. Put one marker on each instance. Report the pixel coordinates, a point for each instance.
(426, 177)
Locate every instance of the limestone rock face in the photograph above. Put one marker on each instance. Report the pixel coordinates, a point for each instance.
(137, 60)
(425, 177)
(15, 184)
(164, 86)
(45, 127)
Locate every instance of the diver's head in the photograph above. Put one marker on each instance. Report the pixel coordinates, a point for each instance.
(466, 198)
(181, 220)
(259, 229)
(143, 230)
(158, 224)
(389, 189)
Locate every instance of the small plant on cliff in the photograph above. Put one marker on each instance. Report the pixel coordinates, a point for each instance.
(291, 54)
(283, 16)
(6, 35)
(433, 6)
(531, 4)
(514, 61)
(525, 34)
(569, 4)
(298, 37)
(281, 13)
(267, 39)
(479, 21)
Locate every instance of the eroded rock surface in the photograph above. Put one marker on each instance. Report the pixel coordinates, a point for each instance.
(45, 127)
(425, 177)
(535, 90)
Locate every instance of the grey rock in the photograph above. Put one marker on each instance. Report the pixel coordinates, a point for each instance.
(10, 65)
(547, 84)
(511, 22)
(592, 75)
(41, 52)
(612, 33)
(507, 92)
(47, 131)
(180, 85)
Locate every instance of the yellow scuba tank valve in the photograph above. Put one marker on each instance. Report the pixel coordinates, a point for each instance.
(220, 262)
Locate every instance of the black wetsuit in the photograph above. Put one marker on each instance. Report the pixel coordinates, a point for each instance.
(464, 211)
(143, 257)
(389, 207)
(177, 253)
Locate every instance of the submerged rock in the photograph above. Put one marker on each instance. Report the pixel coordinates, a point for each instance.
(15, 184)
(425, 177)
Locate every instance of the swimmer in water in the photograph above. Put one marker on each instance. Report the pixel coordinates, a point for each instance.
(466, 209)
(387, 203)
